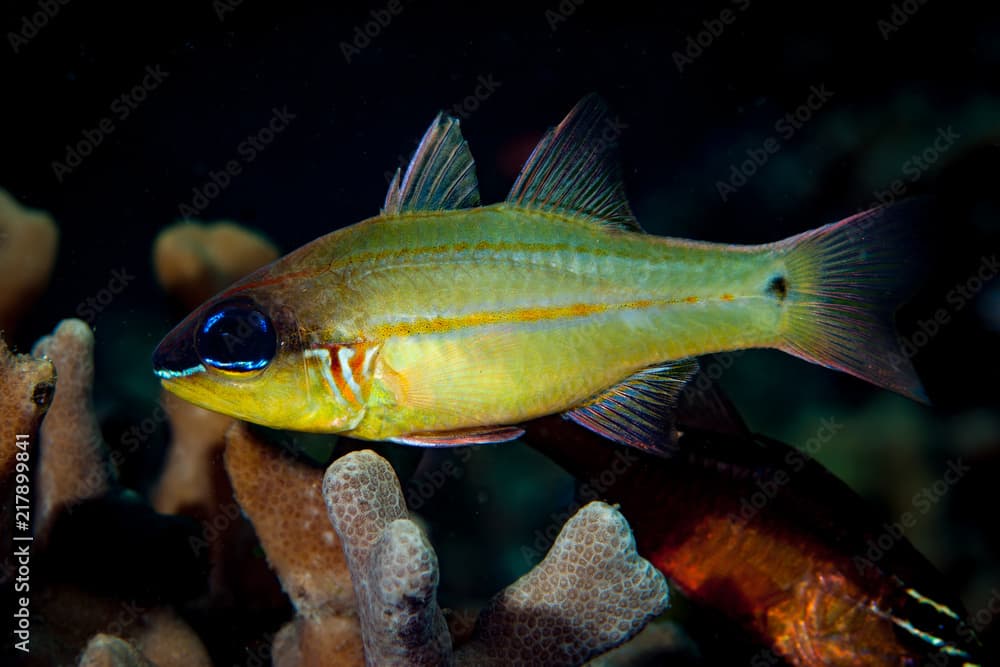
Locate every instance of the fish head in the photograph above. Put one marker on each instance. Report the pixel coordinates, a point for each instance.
(241, 354)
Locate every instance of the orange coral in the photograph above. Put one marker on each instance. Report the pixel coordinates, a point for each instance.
(26, 388)
(28, 241)
(591, 592)
(283, 500)
(193, 261)
(73, 459)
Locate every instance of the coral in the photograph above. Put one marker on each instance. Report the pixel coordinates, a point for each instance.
(363, 577)
(393, 567)
(193, 261)
(26, 388)
(660, 643)
(283, 499)
(107, 651)
(28, 241)
(161, 639)
(69, 620)
(188, 484)
(591, 592)
(73, 459)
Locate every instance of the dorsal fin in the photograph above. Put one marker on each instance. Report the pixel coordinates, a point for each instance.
(574, 169)
(441, 173)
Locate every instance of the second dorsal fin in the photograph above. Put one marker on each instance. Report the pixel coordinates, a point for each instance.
(574, 169)
(441, 173)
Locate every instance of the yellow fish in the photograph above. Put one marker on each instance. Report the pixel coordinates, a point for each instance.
(442, 322)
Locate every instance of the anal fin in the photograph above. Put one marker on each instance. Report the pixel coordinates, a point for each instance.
(467, 436)
(639, 411)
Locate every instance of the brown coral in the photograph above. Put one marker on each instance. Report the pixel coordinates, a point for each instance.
(26, 388)
(107, 651)
(28, 241)
(188, 484)
(193, 261)
(73, 459)
(158, 638)
(591, 592)
(283, 500)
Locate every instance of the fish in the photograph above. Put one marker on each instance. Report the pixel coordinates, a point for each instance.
(443, 322)
(763, 534)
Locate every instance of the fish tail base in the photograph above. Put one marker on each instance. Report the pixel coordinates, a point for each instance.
(841, 286)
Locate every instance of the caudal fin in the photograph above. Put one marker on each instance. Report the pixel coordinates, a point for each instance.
(842, 286)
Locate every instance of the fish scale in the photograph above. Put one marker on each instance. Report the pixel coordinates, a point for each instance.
(477, 318)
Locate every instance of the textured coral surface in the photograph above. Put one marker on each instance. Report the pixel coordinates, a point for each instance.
(193, 261)
(73, 461)
(282, 497)
(28, 241)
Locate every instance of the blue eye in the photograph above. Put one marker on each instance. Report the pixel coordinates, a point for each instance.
(236, 336)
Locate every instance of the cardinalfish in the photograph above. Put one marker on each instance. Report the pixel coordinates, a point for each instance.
(793, 571)
(442, 322)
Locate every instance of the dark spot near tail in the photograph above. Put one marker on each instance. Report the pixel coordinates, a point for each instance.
(778, 287)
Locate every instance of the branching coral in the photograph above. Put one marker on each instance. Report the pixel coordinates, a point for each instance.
(283, 499)
(194, 261)
(73, 461)
(28, 241)
(591, 593)
(107, 651)
(394, 568)
(188, 484)
(26, 388)
(72, 465)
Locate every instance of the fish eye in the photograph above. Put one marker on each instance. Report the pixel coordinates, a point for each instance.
(236, 336)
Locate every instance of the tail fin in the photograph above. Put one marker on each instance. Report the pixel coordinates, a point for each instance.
(844, 282)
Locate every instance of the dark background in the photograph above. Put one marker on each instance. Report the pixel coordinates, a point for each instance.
(355, 121)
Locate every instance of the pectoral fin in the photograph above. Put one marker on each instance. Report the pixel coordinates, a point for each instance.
(468, 436)
(639, 411)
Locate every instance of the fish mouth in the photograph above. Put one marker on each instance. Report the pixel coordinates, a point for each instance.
(175, 356)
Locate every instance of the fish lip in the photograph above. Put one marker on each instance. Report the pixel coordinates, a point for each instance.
(175, 357)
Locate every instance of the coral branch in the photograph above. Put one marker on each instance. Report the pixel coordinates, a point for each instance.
(26, 388)
(194, 261)
(283, 500)
(73, 463)
(394, 568)
(28, 241)
(107, 651)
(591, 593)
